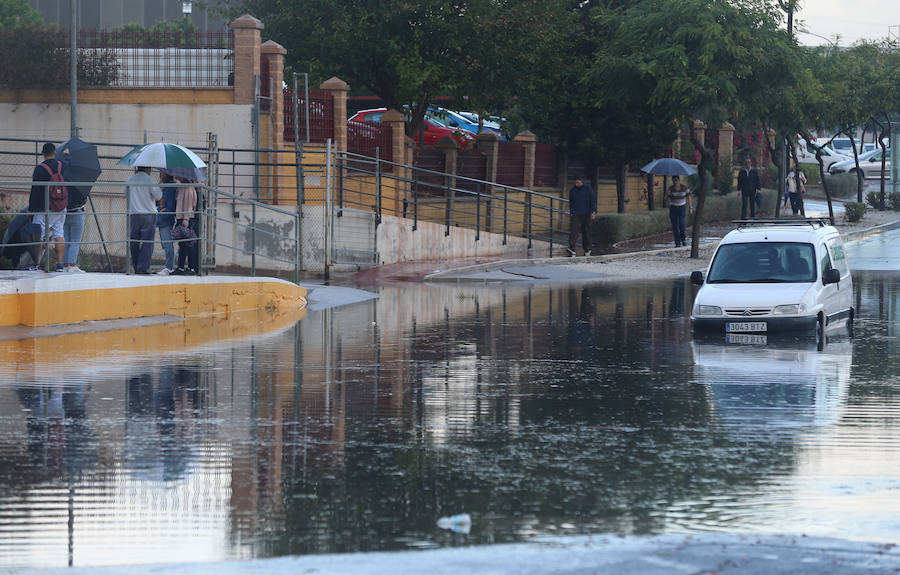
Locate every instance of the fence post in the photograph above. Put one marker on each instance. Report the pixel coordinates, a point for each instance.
(253, 240)
(326, 237)
(478, 212)
(505, 213)
(551, 225)
(530, 211)
(377, 186)
(297, 247)
(127, 231)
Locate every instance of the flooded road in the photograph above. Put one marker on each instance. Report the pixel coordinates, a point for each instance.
(538, 410)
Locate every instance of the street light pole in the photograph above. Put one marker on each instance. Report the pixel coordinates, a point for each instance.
(73, 71)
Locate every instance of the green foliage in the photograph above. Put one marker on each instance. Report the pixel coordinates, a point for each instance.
(873, 198)
(693, 181)
(609, 229)
(841, 185)
(893, 200)
(725, 175)
(163, 34)
(854, 211)
(811, 171)
(15, 13)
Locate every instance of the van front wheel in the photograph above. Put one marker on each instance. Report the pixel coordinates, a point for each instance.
(820, 332)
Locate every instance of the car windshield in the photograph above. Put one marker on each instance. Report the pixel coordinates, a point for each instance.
(763, 262)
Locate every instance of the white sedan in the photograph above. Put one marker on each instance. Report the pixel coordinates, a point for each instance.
(869, 163)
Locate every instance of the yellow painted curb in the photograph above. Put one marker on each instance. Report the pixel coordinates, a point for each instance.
(63, 299)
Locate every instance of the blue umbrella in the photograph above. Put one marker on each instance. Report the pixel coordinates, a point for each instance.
(669, 167)
(80, 164)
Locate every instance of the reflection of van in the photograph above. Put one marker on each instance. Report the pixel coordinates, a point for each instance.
(775, 275)
(807, 155)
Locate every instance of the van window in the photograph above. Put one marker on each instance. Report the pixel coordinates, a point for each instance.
(826, 260)
(763, 262)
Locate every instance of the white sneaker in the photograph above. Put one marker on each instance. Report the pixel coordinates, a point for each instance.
(75, 270)
(164, 272)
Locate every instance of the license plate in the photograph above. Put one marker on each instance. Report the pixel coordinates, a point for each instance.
(746, 338)
(742, 326)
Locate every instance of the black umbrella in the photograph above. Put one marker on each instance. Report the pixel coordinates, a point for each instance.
(669, 167)
(80, 164)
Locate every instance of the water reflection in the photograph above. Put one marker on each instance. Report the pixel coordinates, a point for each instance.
(534, 409)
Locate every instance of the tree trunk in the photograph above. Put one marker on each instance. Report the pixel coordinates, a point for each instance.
(705, 160)
(859, 174)
(620, 186)
(776, 159)
(818, 149)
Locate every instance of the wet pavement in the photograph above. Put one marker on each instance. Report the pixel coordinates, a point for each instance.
(545, 412)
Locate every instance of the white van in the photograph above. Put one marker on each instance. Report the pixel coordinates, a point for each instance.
(775, 276)
(806, 154)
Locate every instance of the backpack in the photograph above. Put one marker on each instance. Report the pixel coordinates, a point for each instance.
(59, 195)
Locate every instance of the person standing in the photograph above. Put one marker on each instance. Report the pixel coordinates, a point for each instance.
(582, 209)
(143, 193)
(74, 227)
(165, 221)
(186, 204)
(791, 190)
(679, 199)
(45, 216)
(748, 185)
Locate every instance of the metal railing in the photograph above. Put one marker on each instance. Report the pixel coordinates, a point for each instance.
(267, 234)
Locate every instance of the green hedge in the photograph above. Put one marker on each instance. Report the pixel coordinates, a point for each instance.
(608, 229)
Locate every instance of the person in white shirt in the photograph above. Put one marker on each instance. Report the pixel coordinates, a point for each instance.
(791, 192)
(143, 193)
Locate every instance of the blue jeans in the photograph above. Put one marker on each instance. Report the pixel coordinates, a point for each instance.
(165, 238)
(143, 228)
(676, 216)
(73, 230)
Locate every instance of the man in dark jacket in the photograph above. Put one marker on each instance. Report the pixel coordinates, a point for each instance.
(582, 208)
(748, 185)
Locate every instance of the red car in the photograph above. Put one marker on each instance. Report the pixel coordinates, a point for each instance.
(434, 130)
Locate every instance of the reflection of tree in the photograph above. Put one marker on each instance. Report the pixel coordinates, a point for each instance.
(876, 345)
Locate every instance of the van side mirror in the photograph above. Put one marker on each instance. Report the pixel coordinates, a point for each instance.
(831, 276)
(697, 278)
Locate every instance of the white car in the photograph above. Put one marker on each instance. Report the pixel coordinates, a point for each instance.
(806, 154)
(869, 164)
(775, 276)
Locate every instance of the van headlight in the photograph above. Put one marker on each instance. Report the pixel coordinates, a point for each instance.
(790, 309)
(709, 310)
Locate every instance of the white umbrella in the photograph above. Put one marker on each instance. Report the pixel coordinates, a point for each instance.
(162, 155)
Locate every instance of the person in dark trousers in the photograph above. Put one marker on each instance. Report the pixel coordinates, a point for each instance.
(582, 209)
(748, 185)
(143, 193)
(679, 197)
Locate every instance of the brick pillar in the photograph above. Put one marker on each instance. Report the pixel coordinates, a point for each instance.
(275, 53)
(529, 140)
(246, 31)
(489, 145)
(338, 89)
(700, 132)
(392, 201)
(726, 142)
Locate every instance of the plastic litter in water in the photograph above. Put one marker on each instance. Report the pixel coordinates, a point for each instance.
(460, 523)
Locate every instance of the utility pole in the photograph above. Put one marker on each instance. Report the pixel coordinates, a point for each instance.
(73, 71)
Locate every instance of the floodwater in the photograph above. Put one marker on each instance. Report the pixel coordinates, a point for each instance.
(537, 410)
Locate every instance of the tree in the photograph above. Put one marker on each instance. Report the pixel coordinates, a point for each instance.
(700, 57)
(16, 13)
(407, 53)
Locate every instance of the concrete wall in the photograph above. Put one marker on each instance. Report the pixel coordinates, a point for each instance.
(186, 124)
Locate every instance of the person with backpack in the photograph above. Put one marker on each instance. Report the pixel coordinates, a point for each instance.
(52, 217)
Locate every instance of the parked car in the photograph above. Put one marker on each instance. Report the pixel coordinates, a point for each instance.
(844, 146)
(768, 277)
(464, 121)
(806, 154)
(869, 163)
(434, 130)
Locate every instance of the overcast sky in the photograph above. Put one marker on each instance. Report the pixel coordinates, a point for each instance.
(851, 19)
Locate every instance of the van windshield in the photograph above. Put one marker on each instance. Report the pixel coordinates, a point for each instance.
(764, 262)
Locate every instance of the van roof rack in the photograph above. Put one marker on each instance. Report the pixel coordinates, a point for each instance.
(812, 222)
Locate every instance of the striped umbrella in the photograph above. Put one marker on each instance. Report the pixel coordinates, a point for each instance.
(162, 155)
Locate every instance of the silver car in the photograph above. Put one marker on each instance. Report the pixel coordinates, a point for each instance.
(869, 163)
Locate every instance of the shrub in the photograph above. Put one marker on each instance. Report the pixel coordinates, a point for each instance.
(873, 198)
(854, 211)
(725, 175)
(841, 185)
(893, 200)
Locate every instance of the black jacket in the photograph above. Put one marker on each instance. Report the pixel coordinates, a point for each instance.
(748, 182)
